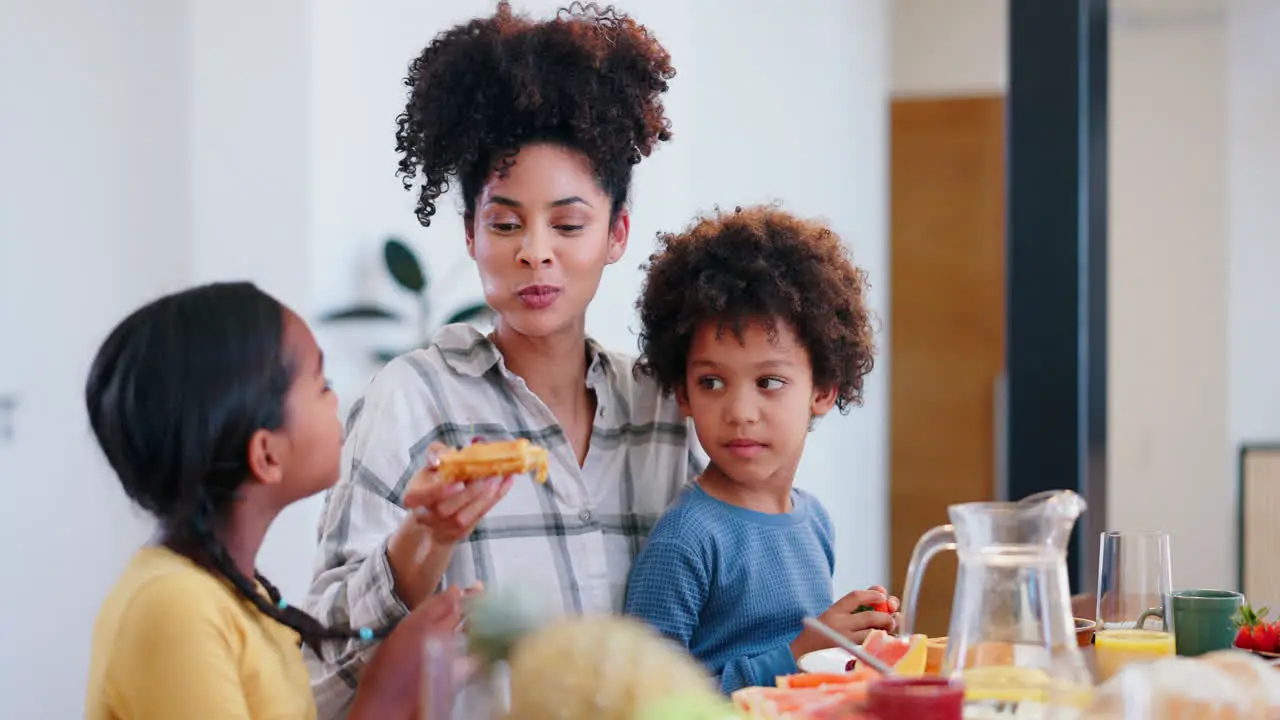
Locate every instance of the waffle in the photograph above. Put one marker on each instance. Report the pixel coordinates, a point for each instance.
(494, 459)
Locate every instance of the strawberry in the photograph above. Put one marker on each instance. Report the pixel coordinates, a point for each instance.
(1244, 639)
(1264, 637)
(874, 607)
(1270, 636)
(1254, 632)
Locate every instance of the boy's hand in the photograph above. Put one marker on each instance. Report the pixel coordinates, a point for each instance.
(894, 608)
(842, 618)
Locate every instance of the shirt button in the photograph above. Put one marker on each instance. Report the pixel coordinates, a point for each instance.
(585, 516)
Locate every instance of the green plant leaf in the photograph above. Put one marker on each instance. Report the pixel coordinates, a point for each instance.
(404, 267)
(360, 312)
(467, 313)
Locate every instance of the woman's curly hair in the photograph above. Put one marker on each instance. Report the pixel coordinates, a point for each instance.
(591, 79)
(758, 263)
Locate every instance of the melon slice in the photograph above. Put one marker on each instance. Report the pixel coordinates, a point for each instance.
(907, 656)
(936, 653)
(776, 703)
(816, 680)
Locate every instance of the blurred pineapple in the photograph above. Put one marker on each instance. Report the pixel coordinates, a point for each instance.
(589, 667)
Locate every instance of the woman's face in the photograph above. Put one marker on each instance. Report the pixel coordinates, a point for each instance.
(541, 238)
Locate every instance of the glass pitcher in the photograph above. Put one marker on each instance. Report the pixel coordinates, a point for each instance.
(1012, 636)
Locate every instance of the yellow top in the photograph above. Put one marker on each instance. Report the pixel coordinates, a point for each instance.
(174, 641)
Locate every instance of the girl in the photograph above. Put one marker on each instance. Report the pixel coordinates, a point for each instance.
(212, 407)
(538, 124)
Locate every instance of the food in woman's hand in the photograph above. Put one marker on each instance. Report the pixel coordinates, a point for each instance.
(1255, 633)
(494, 459)
(882, 607)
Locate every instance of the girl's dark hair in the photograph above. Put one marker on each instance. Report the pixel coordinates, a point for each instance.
(174, 395)
(591, 80)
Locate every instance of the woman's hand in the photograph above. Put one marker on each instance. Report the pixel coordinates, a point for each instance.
(842, 618)
(450, 511)
(389, 686)
(440, 515)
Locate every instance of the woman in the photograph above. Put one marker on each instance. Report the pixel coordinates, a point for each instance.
(212, 407)
(539, 124)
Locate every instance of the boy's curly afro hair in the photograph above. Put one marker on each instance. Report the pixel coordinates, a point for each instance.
(591, 79)
(758, 263)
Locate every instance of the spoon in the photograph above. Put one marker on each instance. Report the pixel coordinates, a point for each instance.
(854, 649)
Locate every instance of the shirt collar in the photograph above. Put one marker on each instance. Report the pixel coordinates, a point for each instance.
(468, 352)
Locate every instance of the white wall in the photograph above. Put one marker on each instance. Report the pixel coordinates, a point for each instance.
(93, 221)
(949, 47)
(1253, 220)
(1167, 417)
(236, 140)
(249, 147)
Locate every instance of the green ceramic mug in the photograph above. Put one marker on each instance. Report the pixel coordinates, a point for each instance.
(1201, 620)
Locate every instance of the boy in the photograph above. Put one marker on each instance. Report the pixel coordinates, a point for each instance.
(757, 321)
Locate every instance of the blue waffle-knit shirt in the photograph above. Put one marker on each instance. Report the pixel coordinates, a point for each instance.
(733, 585)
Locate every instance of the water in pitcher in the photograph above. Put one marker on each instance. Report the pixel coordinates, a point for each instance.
(1012, 636)
(1012, 670)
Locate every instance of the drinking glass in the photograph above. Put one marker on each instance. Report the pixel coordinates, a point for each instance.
(1134, 576)
(457, 686)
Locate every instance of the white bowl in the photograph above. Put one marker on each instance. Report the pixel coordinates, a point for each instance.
(829, 661)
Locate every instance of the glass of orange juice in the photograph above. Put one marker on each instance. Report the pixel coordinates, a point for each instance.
(1134, 577)
(1113, 649)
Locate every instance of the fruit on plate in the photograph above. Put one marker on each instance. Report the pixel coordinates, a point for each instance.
(907, 656)
(1254, 632)
(818, 680)
(778, 703)
(587, 667)
(935, 653)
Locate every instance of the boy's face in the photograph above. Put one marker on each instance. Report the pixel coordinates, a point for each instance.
(751, 399)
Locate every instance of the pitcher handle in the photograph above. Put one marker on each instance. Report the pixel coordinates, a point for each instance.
(942, 537)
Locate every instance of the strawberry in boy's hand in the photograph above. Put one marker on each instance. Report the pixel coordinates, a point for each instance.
(854, 616)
